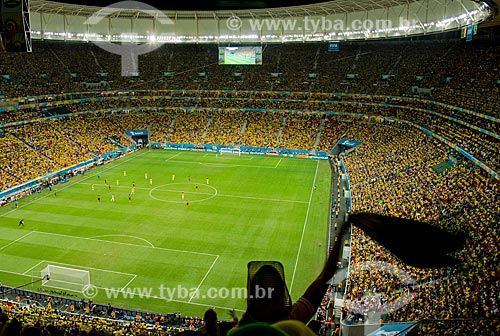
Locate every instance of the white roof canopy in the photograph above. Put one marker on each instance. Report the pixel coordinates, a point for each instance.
(332, 20)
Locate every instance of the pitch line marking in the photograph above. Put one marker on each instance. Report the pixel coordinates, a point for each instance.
(17, 273)
(123, 235)
(128, 283)
(127, 244)
(263, 199)
(210, 195)
(223, 165)
(202, 193)
(145, 296)
(110, 165)
(304, 227)
(202, 280)
(35, 266)
(170, 158)
(15, 241)
(87, 267)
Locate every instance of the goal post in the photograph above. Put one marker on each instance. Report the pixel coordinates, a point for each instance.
(65, 278)
(230, 150)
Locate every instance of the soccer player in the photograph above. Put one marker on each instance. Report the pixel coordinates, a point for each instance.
(207, 180)
(151, 181)
(132, 192)
(109, 186)
(182, 195)
(173, 177)
(187, 204)
(129, 197)
(117, 182)
(189, 178)
(92, 187)
(124, 173)
(196, 187)
(17, 204)
(98, 198)
(112, 197)
(21, 222)
(146, 176)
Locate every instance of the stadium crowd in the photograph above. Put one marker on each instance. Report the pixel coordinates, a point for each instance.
(34, 320)
(391, 174)
(401, 65)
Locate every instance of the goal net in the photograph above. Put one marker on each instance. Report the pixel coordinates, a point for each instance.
(65, 278)
(230, 151)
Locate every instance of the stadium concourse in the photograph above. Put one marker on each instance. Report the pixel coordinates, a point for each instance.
(390, 173)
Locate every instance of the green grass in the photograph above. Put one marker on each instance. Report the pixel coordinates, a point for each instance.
(254, 208)
(238, 59)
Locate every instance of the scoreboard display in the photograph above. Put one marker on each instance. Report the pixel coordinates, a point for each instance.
(240, 55)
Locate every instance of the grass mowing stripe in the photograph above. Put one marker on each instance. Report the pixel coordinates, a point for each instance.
(259, 217)
(15, 241)
(121, 243)
(202, 280)
(109, 166)
(304, 227)
(204, 193)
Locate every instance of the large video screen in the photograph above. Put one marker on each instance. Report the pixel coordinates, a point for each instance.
(240, 55)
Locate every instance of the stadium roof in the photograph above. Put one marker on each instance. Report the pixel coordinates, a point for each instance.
(205, 4)
(323, 8)
(496, 20)
(138, 22)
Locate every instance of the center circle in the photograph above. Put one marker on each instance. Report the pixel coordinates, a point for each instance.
(174, 192)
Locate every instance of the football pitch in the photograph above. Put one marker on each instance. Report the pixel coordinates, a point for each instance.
(238, 59)
(160, 252)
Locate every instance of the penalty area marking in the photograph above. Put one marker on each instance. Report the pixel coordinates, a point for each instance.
(123, 235)
(170, 158)
(15, 241)
(51, 262)
(202, 280)
(122, 243)
(183, 201)
(133, 276)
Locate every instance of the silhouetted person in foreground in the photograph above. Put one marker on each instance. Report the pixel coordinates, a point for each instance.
(268, 298)
(213, 327)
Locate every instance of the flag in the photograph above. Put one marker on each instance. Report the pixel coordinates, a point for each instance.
(470, 30)
(416, 243)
